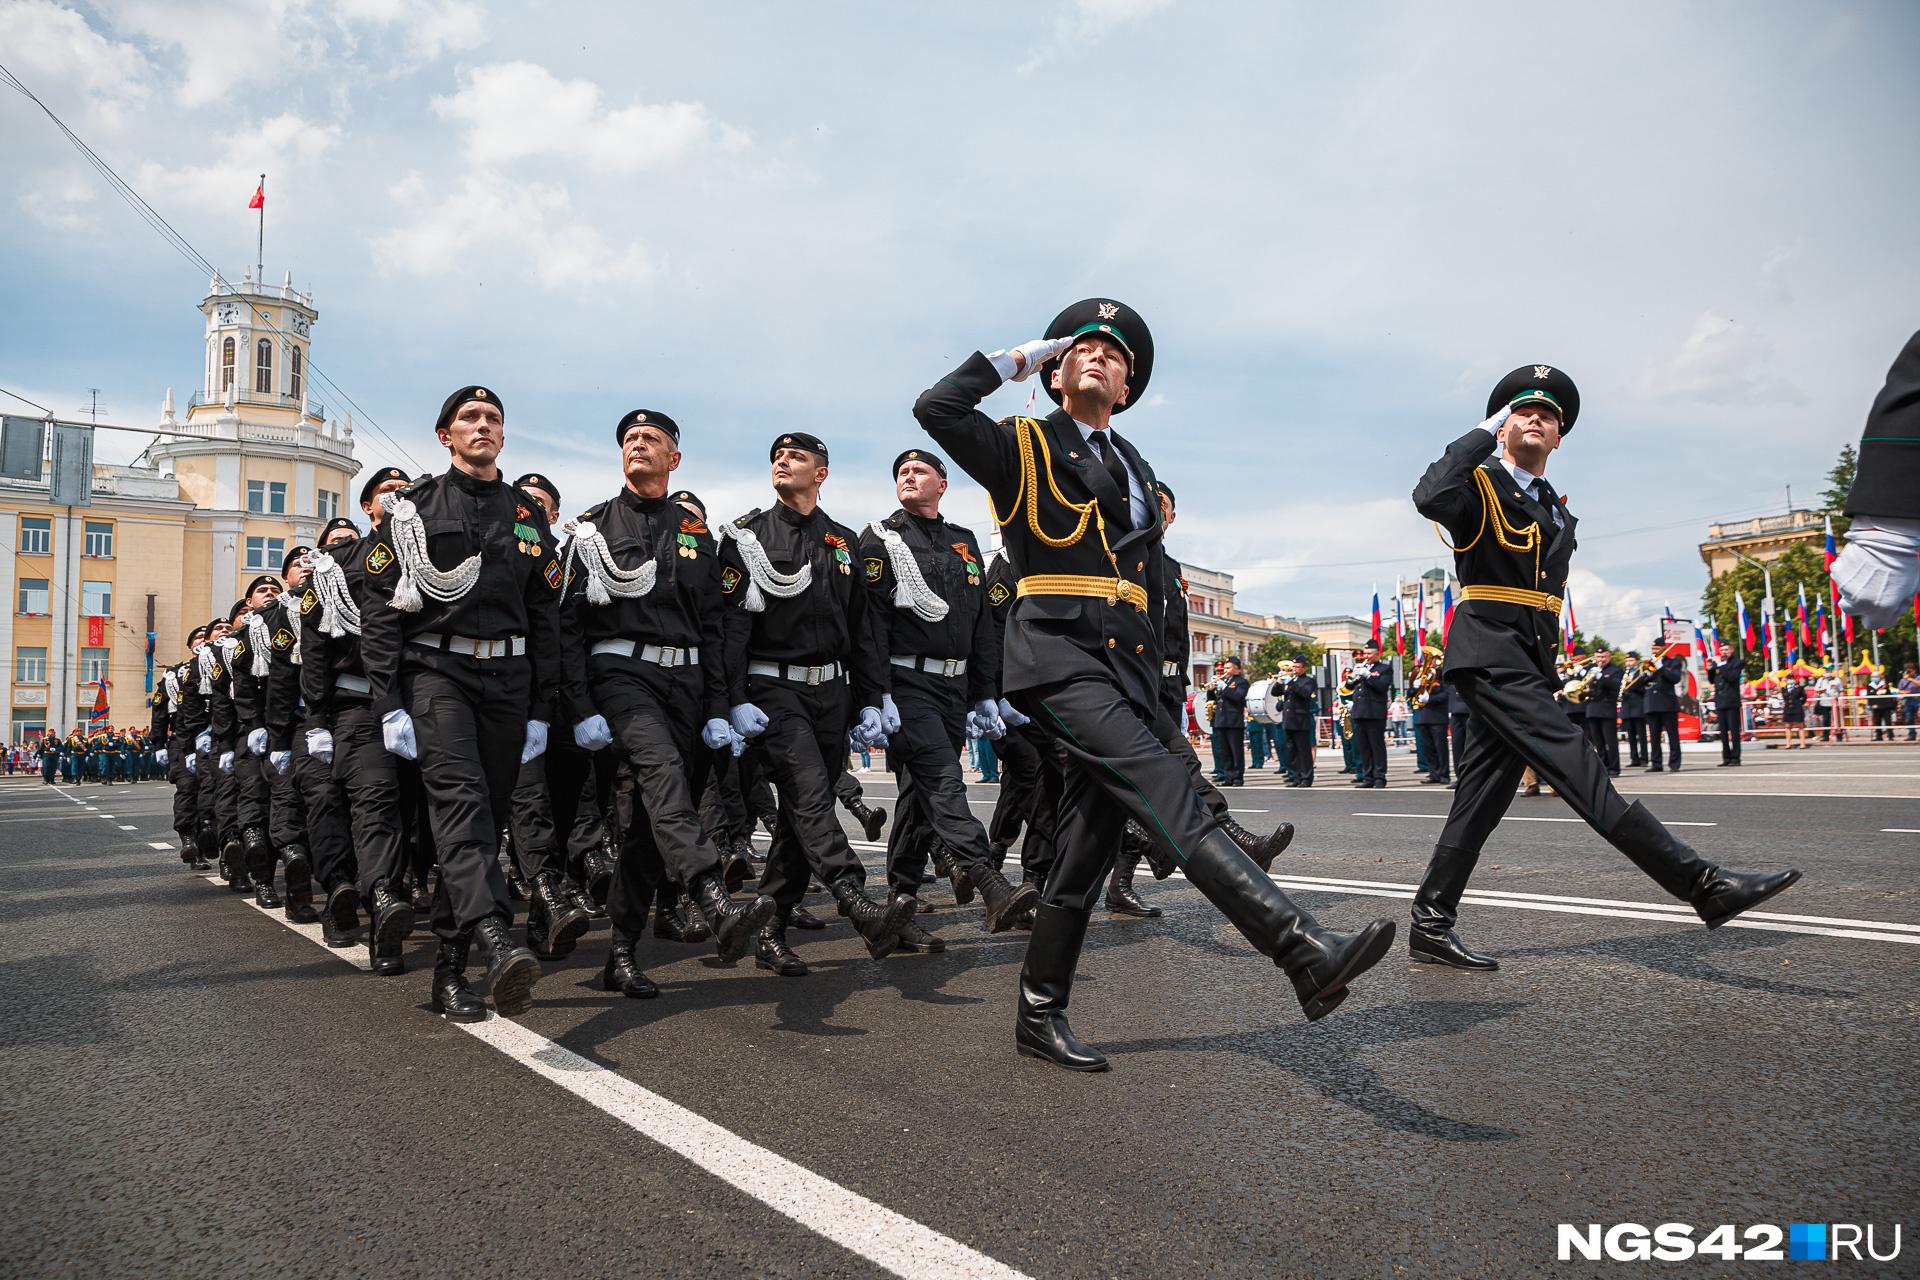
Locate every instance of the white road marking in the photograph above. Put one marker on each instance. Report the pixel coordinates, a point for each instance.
(156, 844)
(1911, 831)
(125, 827)
(1514, 818)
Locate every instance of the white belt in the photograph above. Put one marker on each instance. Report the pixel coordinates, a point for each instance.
(511, 647)
(352, 684)
(1169, 669)
(660, 654)
(799, 675)
(932, 666)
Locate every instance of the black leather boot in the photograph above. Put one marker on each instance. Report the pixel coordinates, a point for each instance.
(343, 906)
(944, 869)
(453, 999)
(596, 870)
(1121, 899)
(554, 921)
(623, 975)
(579, 897)
(770, 950)
(734, 924)
(189, 847)
(1717, 894)
(1436, 907)
(769, 824)
(1046, 980)
(1319, 961)
(801, 918)
(871, 820)
(233, 863)
(388, 928)
(1137, 843)
(1262, 849)
(299, 873)
(671, 922)
(736, 868)
(258, 852)
(1025, 919)
(1004, 902)
(517, 890)
(511, 968)
(876, 922)
(207, 843)
(915, 939)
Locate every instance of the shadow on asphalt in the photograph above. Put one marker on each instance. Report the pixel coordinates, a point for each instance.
(1685, 955)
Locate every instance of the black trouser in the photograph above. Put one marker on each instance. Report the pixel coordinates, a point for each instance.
(226, 793)
(470, 724)
(1118, 768)
(656, 716)
(1301, 748)
(1434, 737)
(330, 844)
(1663, 724)
(924, 758)
(803, 748)
(1604, 733)
(1233, 753)
(254, 788)
(1371, 737)
(1177, 743)
(1019, 778)
(416, 823)
(1039, 848)
(186, 785)
(206, 792)
(530, 822)
(1636, 739)
(1729, 732)
(846, 788)
(289, 820)
(369, 775)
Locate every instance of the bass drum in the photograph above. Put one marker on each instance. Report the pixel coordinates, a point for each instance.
(1264, 701)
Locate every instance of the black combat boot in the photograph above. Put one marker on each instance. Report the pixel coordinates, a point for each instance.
(390, 925)
(511, 968)
(1046, 980)
(1004, 902)
(1121, 899)
(1319, 961)
(876, 922)
(943, 869)
(453, 999)
(517, 890)
(771, 951)
(1436, 908)
(233, 863)
(554, 922)
(342, 911)
(801, 918)
(579, 897)
(1717, 894)
(207, 845)
(1262, 849)
(189, 848)
(915, 939)
(871, 820)
(734, 924)
(299, 875)
(1136, 842)
(672, 922)
(258, 852)
(1025, 919)
(736, 868)
(596, 872)
(623, 975)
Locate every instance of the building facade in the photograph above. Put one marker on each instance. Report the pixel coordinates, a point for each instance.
(1217, 629)
(1763, 538)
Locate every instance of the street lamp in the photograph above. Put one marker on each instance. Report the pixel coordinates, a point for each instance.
(1773, 630)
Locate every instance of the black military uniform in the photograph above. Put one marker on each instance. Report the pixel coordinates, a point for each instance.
(643, 619)
(1430, 719)
(1633, 710)
(1727, 677)
(935, 668)
(465, 641)
(267, 686)
(1603, 712)
(249, 660)
(237, 861)
(1083, 660)
(1668, 682)
(1297, 722)
(179, 713)
(1372, 693)
(799, 647)
(1020, 752)
(1230, 723)
(1512, 553)
(197, 726)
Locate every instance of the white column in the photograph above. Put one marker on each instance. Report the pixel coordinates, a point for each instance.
(227, 532)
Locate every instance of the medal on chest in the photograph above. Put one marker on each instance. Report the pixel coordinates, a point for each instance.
(689, 545)
(527, 538)
(966, 557)
(842, 558)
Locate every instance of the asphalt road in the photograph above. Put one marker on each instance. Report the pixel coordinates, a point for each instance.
(194, 1089)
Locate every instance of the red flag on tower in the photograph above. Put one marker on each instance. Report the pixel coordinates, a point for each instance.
(259, 200)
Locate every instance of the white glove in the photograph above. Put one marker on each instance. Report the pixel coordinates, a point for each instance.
(1037, 353)
(973, 725)
(749, 721)
(1878, 572)
(1012, 715)
(991, 724)
(204, 742)
(869, 729)
(160, 757)
(257, 742)
(396, 730)
(320, 745)
(889, 715)
(717, 733)
(592, 733)
(226, 762)
(189, 763)
(735, 741)
(280, 760)
(536, 741)
(880, 743)
(1498, 420)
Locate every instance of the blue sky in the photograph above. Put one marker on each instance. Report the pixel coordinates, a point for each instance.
(1343, 223)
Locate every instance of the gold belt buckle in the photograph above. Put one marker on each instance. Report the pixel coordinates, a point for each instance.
(947, 668)
(669, 657)
(815, 675)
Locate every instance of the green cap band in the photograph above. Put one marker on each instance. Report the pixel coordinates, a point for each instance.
(1530, 397)
(1108, 331)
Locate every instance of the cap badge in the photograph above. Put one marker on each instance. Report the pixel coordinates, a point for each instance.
(479, 393)
(1541, 370)
(1107, 311)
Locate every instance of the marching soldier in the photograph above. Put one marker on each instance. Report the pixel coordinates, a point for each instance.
(224, 729)
(1083, 660)
(267, 685)
(1513, 540)
(177, 707)
(244, 760)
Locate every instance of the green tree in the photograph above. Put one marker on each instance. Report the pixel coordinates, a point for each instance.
(1839, 484)
(1278, 649)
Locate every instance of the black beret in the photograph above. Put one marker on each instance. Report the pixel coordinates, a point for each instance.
(652, 419)
(460, 397)
(286, 561)
(534, 480)
(921, 455)
(798, 440)
(688, 496)
(1115, 320)
(239, 607)
(220, 622)
(197, 631)
(1538, 384)
(338, 522)
(1160, 487)
(265, 579)
(379, 478)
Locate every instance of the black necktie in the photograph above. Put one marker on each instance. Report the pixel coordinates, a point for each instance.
(1115, 468)
(1549, 501)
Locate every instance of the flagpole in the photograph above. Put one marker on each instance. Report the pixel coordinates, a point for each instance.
(261, 246)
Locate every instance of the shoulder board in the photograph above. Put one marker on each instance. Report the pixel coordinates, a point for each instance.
(741, 523)
(963, 531)
(415, 483)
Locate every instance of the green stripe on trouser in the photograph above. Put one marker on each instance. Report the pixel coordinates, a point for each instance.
(1108, 765)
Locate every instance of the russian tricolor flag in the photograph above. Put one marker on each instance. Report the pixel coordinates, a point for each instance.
(1376, 616)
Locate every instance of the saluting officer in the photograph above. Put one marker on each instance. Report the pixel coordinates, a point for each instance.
(463, 656)
(1513, 540)
(800, 656)
(644, 614)
(1083, 660)
(932, 628)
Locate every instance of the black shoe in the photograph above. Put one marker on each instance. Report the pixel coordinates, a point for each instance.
(1727, 893)
(925, 908)
(511, 969)
(299, 896)
(1262, 849)
(734, 924)
(736, 869)
(624, 976)
(1723, 764)
(1040, 1027)
(1446, 948)
(389, 925)
(422, 902)
(1004, 902)
(1135, 842)
(801, 918)
(453, 999)
(1654, 768)
(257, 850)
(1121, 899)
(878, 923)
(554, 921)
(944, 868)
(582, 899)
(771, 951)
(189, 854)
(598, 873)
(329, 931)
(915, 939)
(672, 923)
(264, 896)
(871, 820)
(1431, 782)
(517, 890)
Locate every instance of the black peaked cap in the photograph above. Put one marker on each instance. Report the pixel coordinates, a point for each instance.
(1116, 320)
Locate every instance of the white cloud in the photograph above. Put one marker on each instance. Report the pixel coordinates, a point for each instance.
(1085, 22)
(1625, 616)
(54, 51)
(488, 211)
(427, 28)
(286, 142)
(1722, 362)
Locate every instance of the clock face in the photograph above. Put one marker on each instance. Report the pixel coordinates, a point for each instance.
(300, 324)
(227, 313)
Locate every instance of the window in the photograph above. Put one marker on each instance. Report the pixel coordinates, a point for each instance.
(265, 554)
(36, 536)
(30, 665)
(276, 499)
(99, 545)
(328, 506)
(266, 498)
(96, 599)
(257, 496)
(28, 726)
(94, 664)
(263, 365)
(296, 368)
(33, 595)
(226, 365)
